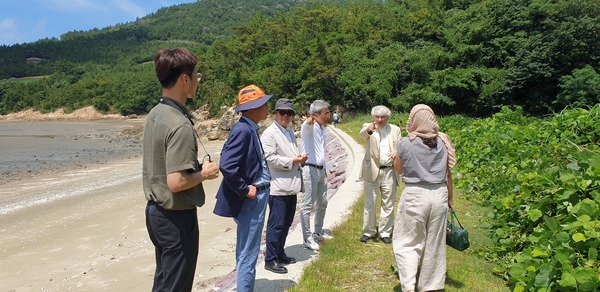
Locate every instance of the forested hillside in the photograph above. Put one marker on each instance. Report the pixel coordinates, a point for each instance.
(470, 57)
(194, 24)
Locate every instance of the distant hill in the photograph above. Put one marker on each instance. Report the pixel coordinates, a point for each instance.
(470, 57)
(195, 24)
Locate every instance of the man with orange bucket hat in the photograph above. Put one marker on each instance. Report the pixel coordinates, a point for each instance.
(244, 190)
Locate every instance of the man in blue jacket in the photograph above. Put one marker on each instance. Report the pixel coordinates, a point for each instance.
(244, 190)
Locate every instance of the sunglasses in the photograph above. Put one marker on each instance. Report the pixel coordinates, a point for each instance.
(286, 113)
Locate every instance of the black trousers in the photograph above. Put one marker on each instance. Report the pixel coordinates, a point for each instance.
(281, 215)
(175, 238)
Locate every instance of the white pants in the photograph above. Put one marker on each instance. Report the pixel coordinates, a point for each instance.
(315, 194)
(420, 236)
(385, 184)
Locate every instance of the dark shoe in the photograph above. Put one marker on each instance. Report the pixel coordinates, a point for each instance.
(287, 260)
(275, 267)
(386, 239)
(365, 238)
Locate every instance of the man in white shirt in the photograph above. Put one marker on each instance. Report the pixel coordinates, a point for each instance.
(378, 174)
(312, 141)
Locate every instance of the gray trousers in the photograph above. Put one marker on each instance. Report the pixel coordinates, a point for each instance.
(315, 195)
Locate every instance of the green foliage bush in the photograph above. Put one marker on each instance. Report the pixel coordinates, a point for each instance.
(466, 57)
(542, 179)
(580, 89)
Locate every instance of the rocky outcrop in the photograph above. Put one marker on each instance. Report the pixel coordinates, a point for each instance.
(218, 129)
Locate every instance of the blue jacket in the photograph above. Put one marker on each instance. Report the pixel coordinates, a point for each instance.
(240, 165)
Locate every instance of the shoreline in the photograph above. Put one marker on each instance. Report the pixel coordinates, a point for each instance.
(32, 148)
(92, 235)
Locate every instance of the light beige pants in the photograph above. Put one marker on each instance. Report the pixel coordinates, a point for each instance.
(420, 236)
(385, 184)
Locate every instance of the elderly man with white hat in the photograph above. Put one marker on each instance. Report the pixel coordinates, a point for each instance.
(244, 190)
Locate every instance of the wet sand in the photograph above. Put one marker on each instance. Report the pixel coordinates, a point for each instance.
(28, 148)
(82, 228)
(72, 217)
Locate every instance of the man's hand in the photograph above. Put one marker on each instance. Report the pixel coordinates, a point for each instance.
(300, 158)
(251, 193)
(311, 120)
(210, 170)
(371, 128)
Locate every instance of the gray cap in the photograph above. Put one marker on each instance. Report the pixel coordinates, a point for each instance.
(284, 104)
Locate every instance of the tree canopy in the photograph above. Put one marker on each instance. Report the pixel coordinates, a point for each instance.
(468, 57)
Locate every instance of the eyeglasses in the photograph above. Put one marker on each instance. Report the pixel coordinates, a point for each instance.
(198, 76)
(286, 113)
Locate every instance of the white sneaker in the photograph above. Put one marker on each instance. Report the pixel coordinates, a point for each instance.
(311, 244)
(320, 236)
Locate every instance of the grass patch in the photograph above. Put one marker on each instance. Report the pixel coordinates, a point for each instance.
(346, 264)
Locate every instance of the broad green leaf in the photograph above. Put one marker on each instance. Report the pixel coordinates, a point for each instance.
(587, 207)
(517, 271)
(586, 278)
(534, 214)
(567, 177)
(593, 253)
(584, 218)
(539, 253)
(562, 237)
(595, 194)
(573, 166)
(566, 193)
(533, 238)
(567, 280)
(578, 237)
(573, 225)
(584, 184)
(563, 257)
(584, 274)
(544, 276)
(552, 223)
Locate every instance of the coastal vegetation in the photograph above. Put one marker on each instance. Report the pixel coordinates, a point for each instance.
(466, 57)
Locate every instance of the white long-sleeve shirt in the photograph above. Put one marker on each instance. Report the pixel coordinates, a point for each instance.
(312, 141)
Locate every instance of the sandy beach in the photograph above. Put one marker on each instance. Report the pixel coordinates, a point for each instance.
(83, 229)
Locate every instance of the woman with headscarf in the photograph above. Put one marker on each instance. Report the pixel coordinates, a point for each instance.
(425, 158)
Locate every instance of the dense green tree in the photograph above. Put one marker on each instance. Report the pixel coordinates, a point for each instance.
(580, 89)
(469, 56)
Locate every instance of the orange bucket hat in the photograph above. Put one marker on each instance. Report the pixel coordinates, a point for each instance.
(251, 97)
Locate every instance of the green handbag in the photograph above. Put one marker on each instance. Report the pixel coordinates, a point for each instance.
(456, 236)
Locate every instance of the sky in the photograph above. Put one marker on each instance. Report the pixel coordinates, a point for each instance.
(26, 21)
